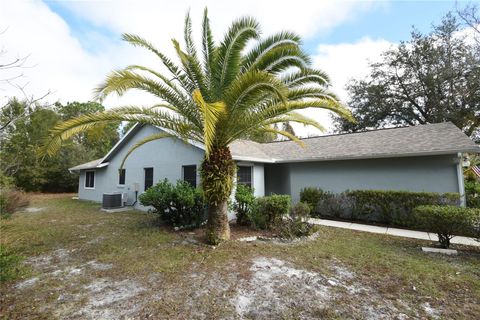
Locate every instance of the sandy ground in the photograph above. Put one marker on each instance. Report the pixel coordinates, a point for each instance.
(268, 288)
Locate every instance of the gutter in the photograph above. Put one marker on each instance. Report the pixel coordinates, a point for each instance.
(378, 156)
(461, 184)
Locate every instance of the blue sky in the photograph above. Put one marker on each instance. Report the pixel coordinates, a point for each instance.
(392, 21)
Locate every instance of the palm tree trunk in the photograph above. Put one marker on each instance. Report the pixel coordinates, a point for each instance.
(217, 182)
(218, 229)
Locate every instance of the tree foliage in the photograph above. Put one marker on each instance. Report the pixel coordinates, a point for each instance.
(21, 141)
(430, 78)
(223, 92)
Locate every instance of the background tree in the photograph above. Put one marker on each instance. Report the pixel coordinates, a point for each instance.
(97, 141)
(431, 78)
(21, 141)
(232, 93)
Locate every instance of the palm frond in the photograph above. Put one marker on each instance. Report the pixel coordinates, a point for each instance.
(281, 59)
(283, 133)
(65, 130)
(253, 86)
(209, 49)
(229, 52)
(311, 92)
(279, 40)
(326, 103)
(138, 41)
(193, 69)
(211, 112)
(305, 77)
(297, 118)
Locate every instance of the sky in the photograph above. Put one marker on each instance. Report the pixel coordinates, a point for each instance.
(72, 45)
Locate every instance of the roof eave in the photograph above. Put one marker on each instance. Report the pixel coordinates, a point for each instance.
(79, 168)
(253, 159)
(382, 156)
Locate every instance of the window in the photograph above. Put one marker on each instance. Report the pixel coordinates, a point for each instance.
(244, 176)
(121, 177)
(190, 175)
(89, 179)
(148, 177)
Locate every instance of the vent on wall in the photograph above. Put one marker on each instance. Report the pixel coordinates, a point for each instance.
(112, 200)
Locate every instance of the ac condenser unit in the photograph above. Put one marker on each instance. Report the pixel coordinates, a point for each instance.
(112, 200)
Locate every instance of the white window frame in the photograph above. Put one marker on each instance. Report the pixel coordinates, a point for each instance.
(252, 182)
(85, 182)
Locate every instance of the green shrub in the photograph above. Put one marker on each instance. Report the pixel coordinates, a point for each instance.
(395, 207)
(268, 211)
(300, 210)
(12, 200)
(291, 228)
(242, 206)
(310, 196)
(336, 205)
(381, 206)
(295, 225)
(180, 205)
(6, 182)
(447, 221)
(472, 193)
(10, 267)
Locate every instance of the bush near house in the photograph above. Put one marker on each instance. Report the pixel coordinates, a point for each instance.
(472, 193)
(244, 199)
(179, 206)
(312, 196)
(295, 224)
(12, 200)
(269, 211)
(447, 221)
(396, 207)
(380, 206)
(300, 210)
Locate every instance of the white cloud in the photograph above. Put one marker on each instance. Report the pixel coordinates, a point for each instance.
(347, 61)
(343, 62)
(71, 70)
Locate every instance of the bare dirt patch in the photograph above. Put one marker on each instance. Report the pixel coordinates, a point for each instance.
(277, 289)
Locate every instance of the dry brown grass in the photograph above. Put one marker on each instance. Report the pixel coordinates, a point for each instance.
(81, 263)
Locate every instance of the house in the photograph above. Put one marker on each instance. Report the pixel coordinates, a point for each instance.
(420, 158)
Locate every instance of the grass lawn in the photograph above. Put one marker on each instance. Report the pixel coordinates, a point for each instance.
(71, 261)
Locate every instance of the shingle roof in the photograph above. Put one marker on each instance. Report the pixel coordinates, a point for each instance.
(90, 165)
(429, 139)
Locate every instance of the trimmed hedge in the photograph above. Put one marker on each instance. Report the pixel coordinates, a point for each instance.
(447, 221)
(380, 206)
(244, 199)
(269, 211)
(180, 205)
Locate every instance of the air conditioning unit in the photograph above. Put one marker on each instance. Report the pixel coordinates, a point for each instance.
(112, 200)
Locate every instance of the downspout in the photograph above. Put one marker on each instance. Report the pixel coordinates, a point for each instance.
(461, 185)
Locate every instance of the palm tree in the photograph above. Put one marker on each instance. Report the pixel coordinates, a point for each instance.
(223, 94)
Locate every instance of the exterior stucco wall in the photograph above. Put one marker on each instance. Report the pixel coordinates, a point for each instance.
(277, 179)
(165, 156)
(431, 174)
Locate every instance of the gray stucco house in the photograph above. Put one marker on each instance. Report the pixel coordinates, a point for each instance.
(420, 158)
